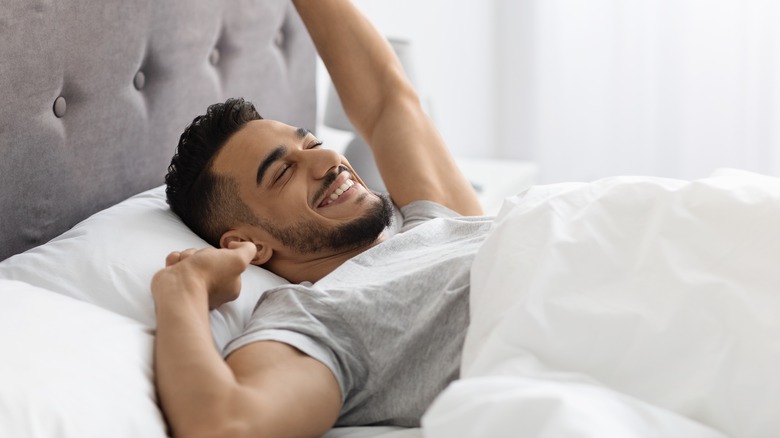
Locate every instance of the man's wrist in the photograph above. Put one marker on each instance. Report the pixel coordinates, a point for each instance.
(175, 285)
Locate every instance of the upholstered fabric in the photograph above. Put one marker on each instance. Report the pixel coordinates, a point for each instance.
(94, 95)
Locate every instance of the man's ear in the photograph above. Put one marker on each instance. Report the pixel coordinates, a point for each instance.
(264, 251)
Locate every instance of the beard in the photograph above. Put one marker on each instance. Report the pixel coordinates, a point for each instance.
(310, 236)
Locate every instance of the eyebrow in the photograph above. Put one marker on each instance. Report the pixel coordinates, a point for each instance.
(301, 133)
(275, 155)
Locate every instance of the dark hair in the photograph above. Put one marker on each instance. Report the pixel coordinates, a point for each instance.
(208, 203)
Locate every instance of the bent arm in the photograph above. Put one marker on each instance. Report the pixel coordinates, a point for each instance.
(265, 389)
(384, 108)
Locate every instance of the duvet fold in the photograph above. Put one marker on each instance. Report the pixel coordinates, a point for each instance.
(631, 307)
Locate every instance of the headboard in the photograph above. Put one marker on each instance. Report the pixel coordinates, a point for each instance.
(94, 95)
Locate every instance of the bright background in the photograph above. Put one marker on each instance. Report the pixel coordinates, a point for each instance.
(595, 88)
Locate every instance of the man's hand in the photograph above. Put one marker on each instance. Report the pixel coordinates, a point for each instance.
(213, 274)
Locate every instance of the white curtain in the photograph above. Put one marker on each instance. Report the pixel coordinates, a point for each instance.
(677, 88)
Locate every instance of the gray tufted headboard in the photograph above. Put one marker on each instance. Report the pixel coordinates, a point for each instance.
(94, 95)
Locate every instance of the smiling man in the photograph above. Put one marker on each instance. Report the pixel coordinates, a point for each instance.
(273, 185)
(315, 209)
(371, 327)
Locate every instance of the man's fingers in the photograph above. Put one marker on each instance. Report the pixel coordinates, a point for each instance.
(246, 250)
(188, 252)
(172, 258)
(177, 256)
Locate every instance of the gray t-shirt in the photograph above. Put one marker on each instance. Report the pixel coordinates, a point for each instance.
(390, 322)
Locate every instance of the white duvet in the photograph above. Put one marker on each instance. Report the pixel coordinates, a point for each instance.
(628, 307)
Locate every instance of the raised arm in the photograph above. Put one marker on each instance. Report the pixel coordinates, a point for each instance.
(265, 389)
(384, 108)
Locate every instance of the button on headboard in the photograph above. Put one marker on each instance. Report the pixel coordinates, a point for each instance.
(95, 93)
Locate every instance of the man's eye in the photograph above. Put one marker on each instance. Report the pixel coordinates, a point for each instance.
(282, 172)
(315, 144)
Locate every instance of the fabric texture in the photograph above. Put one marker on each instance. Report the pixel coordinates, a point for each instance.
(117, 134)
(109, 260)
(390, 322)
(71, 369)
(631, 307)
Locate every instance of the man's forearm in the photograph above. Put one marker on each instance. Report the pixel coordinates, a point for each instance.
(192, 379)
(361, 63)
(266, 389)
(411, 155)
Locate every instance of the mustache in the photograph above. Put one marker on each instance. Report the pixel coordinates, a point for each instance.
(328, 180)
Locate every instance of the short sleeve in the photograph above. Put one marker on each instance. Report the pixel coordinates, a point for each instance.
(301, 317)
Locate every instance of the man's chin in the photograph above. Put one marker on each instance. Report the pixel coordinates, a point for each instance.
(366, 229)
(312, 236)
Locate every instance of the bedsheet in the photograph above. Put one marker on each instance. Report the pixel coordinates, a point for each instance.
(631, 307)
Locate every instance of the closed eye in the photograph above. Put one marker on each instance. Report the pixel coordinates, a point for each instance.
(285, 167)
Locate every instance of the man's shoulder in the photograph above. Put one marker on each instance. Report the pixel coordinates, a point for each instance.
(420, 211)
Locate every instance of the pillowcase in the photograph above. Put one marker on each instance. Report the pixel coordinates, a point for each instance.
(71, 369)
(109, 260)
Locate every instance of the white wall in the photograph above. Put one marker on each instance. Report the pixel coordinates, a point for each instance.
(595, 88)
(672, 88)
(453, 46)
(514, 27)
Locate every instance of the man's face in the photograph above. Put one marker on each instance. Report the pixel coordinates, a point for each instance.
(307, 199)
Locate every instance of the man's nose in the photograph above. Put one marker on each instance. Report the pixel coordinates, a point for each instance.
(322, 161)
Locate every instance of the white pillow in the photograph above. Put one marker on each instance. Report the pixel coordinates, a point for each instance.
(109, 260)
(71, 369)
(74, 370)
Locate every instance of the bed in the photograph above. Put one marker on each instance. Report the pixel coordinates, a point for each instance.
(632, 307)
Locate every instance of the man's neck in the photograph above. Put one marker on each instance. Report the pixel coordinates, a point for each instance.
(297, 270)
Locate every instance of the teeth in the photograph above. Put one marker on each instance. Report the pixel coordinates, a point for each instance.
(340, 190)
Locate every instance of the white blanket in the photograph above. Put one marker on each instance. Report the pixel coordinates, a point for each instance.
(628, 307)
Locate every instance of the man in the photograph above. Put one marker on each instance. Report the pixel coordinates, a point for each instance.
(374, 330)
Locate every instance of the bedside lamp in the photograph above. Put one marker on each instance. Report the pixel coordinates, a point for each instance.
(358, 152)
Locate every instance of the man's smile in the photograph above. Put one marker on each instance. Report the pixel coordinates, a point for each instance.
(338, 191)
